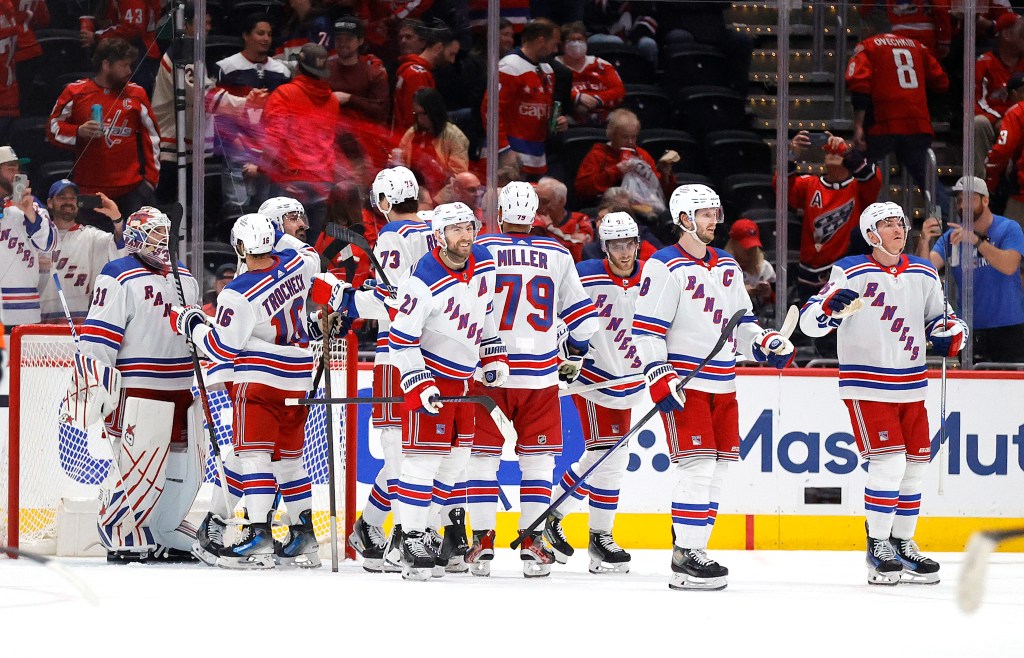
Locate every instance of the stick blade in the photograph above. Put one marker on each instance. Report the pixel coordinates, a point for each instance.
(792, 319)
(971, 587)
(505, 426)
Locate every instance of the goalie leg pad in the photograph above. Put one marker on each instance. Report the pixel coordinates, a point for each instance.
(181, 484)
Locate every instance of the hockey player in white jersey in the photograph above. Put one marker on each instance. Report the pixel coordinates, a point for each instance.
(613, 285)
(26, 234)
(288, 216)
(260, 327)
(82, 252)
(887, 309)
(155, 448)
(688, 292)
(536, 285)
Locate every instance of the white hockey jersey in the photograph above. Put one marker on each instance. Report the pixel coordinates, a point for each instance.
(260, 324)
(882, 346)
(129, 327)
(22, 245)
(612, 353)
(684, 302)
(443, 317)
(535, 282)
(81, 255)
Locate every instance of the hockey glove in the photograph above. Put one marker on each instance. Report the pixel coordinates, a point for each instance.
(93, 392)
(185, 319)
(314, 326)
(331, 291)
(494, 359)
(571, 360)
(663, 384)
(421, 393)
(838, 301)
(947, 337)
(773, 347)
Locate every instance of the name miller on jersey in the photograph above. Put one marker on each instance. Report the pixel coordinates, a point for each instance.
(522, 257)
(284, 291)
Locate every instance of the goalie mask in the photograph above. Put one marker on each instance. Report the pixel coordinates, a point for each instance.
(691, 198)
(147, 234)
(396, 185)
(878, 212)
(616, 226)
(449, 214)
(517, 203)
(278, 207)
(255, 233)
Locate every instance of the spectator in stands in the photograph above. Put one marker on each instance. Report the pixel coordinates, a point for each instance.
(134, 21)
(464, 187)
(888, 76)
(606, 165)
(11, 20)
(572, 229)
(996, 247)
(28, 51)
(831, 205)
(359, 81)
(434, 146)
(758, 274)
(81, 252)
(526, 94)
(345, 208)
(239, 137)
(991, 96)
(1009, 150)
(597, 88)
(411, 39)
(301, 120)
(415, 72)
(309, 23)
(118, 156)
(926, 21)
(613, 21)
(221, 278)
(648, 243)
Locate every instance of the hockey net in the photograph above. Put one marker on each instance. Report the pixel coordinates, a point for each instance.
(46, 461)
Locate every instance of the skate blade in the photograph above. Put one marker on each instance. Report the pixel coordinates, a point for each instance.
(304, 561)
(681, 581)
(915, 578)
(533, 569)
(204, 556)
(437, 571)
(482, 569)
(379, 565)
(251, 563)
(887, 579)
(421, 575)
(560, 557)
(597, 566)
(457, 565)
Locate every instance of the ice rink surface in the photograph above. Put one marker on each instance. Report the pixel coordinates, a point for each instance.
(778, 603)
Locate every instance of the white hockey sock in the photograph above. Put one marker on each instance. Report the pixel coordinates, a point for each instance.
(452, 466)
(259, 487)
(570, 477)
(415, 489)
(715, 493)
(909, 503)
(233, 475)
(482, 491)
(535, 488)
(379, 502)
(296, 491)
(690, 501)
(604, 488)
(881, 492)
(391, 444)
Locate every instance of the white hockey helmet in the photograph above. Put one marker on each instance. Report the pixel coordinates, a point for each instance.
(875, 213)
(255, 232)
(616, 226)
(275, 208)
(396, 184)
(691, 198)
(147, 235)
(518, 203)
(446, 215)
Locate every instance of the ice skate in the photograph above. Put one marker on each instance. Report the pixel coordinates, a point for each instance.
(417, 559)
(537, 558)
(884, 568)
(370, 542)
(480, 554)
(393, 551)
(693, 569)
(209, 539)
(605, 555)
(434, 544)
(455, 544)
(556, 537)
(917, 568)
(254, 550)
(301, 548)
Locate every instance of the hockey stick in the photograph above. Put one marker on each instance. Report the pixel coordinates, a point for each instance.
(719, 344)
(943, 440)
(351, 237)
(325, 360)
(972, 578)
(113, 451)
(56, 567)
(583, 388)
(175, 214)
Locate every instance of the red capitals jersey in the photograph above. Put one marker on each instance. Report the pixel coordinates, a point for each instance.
(1007, 149)
(599, 79)
(927, 21)
(991, 99)
(127, 152)
(134, 21)
(525, 96)
(895, 72)
(9, 31)
(28, 45)
(414, 73)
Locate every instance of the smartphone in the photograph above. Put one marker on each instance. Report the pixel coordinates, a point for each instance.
(19, 187)
(818, 139)
(89, 201)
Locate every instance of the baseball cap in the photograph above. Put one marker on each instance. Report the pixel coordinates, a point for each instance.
(1006, 21)
(978, 186)
(7, 154)
(349, 25)
(221, 271)
(313, 60)
(60, 186)
(744, 232)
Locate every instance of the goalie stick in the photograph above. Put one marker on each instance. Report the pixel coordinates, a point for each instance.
(726, 332)
(972, 579)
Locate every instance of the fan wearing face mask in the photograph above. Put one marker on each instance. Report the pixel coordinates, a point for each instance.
(596, 86)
